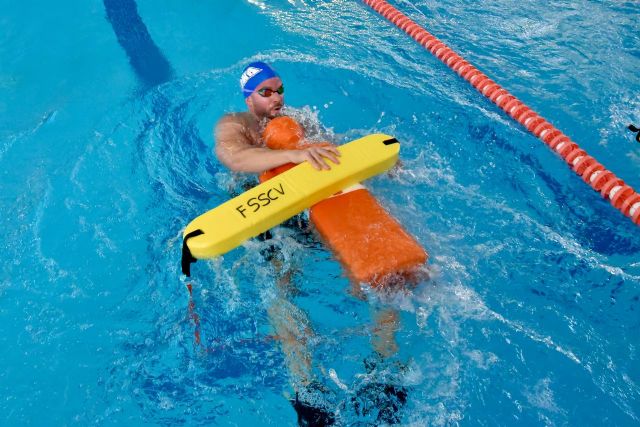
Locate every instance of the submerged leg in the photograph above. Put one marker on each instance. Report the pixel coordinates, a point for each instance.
(380, 396)
(383, 339)
(295, 333)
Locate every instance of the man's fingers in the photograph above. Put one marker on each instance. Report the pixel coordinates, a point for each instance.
(332, 156)
(313, 160)
(332, 149)
(328, 154)
(317, 156)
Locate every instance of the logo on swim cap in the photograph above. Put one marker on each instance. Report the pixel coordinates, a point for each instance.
(254, 74)
(248, 73)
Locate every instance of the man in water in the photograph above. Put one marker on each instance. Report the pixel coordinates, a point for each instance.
(239, 144)
(240, 147)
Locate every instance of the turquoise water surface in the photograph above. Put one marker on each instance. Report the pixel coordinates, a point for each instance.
(531, 314)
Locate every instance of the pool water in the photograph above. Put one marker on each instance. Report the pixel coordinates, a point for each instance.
(530, 313)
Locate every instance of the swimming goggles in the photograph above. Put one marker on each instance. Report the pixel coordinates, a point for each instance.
(265, 92)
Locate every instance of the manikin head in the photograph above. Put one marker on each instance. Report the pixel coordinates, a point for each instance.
(262, 89)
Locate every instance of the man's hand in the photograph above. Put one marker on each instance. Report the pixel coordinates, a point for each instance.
(317, 155)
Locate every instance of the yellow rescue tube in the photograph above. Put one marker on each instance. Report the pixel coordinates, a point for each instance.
(284, 196)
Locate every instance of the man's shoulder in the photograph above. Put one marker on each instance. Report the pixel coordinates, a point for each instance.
(236, 128)
(233, 118)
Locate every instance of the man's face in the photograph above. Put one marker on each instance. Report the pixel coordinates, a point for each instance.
(266, 106)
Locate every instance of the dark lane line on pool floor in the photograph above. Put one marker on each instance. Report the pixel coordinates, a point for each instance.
(147, 60)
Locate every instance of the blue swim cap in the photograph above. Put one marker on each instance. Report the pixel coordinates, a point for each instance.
(254, 74)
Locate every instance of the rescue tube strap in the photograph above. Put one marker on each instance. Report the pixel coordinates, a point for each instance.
(635, 130)
(187, 258)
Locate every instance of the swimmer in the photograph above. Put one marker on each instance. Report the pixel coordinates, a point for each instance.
(239, 144)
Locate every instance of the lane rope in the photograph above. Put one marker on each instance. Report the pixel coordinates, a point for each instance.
(620, 195)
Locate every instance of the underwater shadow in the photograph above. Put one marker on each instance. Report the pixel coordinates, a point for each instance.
(147, 61)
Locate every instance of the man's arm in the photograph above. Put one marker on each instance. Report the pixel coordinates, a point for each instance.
(235, 151)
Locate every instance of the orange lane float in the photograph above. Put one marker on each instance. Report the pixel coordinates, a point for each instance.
(371, 245)
(620, 195)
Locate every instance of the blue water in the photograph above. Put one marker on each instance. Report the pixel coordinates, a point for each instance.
(531, 314)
